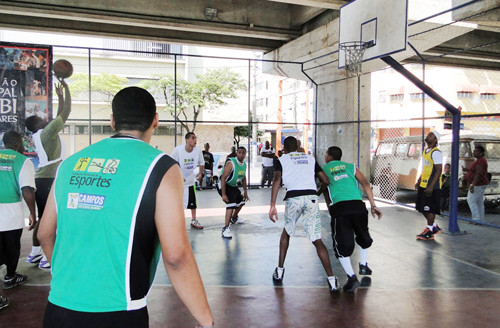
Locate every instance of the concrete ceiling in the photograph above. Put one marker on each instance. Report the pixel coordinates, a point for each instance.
(247, 24)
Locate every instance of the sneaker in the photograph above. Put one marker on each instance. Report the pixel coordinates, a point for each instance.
(278, 275)
(196, 224)
(4, 302)
(426, 235)
(436, 230)
(364, 270)
(44, 264)
(15, 281)
(237, 220)
(226, 232)
(333, 283)
(351, 284)
(34, 258)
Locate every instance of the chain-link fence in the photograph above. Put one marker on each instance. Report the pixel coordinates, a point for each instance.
(379, 119)
(227, 102)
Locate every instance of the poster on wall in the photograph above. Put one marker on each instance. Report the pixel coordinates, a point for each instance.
(25, 87)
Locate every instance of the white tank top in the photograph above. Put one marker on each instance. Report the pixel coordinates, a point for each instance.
(42, 155)
(298, 171)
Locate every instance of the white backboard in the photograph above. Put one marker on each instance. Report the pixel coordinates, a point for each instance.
(381, 22)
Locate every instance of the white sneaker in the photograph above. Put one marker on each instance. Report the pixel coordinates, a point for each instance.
(333, 283)
(237, 220)
(226, 232)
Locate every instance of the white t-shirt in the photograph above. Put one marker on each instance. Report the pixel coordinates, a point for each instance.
(13, 213)
(298, 171)
(188, 162)
(267, 161)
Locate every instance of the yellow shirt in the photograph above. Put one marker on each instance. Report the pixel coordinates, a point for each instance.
(428, 169)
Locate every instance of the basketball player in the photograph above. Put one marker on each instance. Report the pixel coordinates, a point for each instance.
(50, 150)
(301, 204)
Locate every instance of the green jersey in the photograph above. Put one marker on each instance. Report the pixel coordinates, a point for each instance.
(237, 173)
(11, 163)
(107, 247)
(343, 185)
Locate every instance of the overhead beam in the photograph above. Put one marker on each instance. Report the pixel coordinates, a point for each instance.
(138, 32)
(325, 4)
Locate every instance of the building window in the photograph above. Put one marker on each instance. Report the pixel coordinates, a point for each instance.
(464, 94)
(487, 96)
(166, 130)
(81, 129)
(398, 97)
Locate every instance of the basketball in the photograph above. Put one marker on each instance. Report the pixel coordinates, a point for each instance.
(62, 68)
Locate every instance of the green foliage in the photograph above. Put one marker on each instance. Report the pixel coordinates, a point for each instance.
(241, 131)
(207, 92)
(106, 84)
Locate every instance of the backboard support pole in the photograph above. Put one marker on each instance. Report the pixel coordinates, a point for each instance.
(456, 116)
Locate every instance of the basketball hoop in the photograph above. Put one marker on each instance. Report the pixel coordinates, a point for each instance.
(353, 52)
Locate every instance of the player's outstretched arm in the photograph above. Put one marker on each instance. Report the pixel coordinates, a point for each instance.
(64, 108)
(177, 253)
(368, 191)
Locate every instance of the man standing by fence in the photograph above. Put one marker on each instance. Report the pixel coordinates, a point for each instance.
(429, 186)
(267, 153)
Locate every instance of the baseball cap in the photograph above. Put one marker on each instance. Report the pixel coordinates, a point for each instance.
(436, 134)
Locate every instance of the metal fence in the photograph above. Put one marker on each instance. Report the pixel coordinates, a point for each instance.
(378, 119)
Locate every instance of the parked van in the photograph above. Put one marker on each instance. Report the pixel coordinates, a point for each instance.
(395, 164)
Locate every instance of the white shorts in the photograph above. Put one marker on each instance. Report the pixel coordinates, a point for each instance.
(306, 210)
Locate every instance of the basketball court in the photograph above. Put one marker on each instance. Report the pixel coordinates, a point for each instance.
(452, 281)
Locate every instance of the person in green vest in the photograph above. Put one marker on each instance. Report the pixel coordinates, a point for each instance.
(120, 203)
(51, 151)
(429, 186)
(234, 173)
(348, 213)
(17, 182)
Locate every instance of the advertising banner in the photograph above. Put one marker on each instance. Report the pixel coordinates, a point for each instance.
(25, 86)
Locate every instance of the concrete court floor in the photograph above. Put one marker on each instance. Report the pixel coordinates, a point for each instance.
(453, 281)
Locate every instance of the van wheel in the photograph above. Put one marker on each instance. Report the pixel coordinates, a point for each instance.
(387, 188)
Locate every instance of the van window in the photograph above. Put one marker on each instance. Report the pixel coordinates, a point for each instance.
(415, 150)
(491, 150)
(401, 149)
(385, 149)
(465, 149)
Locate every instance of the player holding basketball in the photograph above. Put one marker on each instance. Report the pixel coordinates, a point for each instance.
(50, 150)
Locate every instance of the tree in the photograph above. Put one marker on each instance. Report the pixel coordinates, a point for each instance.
(106, 84)
(241, 131)
(208, 92)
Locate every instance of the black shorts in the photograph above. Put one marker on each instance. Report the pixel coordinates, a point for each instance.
(428, 204)
(233, 195)
(43, 186)
(190, 197)
(59, 317)
(347, 224)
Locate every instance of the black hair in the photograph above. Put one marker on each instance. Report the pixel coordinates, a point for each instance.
(335, 153)
(241, 147)
(13, 140)
(290, 144)
(134, 108)
(188, 135)
(31, 123)
(480, 148)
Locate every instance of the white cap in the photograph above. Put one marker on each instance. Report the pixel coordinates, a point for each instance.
(436, 134)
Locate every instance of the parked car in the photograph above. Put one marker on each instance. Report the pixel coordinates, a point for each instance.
(395, 165)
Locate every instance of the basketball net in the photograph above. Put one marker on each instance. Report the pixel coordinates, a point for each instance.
(353, 52)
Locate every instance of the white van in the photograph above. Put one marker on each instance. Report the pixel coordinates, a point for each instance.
(395, 164)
